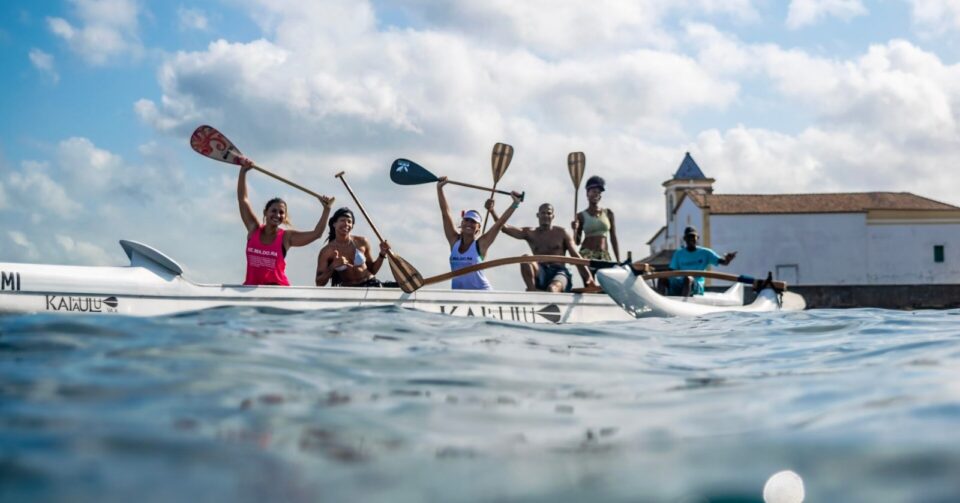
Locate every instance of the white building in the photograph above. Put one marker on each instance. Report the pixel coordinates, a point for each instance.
(862, 238)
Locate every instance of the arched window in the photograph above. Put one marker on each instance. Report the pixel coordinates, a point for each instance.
(669, 207)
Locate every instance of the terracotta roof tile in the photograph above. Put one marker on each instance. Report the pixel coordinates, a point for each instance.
(851, 202)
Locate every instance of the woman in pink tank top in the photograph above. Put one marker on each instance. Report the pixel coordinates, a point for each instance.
(267, 243)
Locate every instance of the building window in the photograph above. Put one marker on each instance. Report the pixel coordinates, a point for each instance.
(789, 273)
(938, 253)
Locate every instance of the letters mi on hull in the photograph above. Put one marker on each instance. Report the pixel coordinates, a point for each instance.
(10, 281)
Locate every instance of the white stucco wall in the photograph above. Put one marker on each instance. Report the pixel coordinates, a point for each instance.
(827, 249)
(903, 253)
(687, 214)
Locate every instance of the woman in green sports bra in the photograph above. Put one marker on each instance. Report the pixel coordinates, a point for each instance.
(595, 222)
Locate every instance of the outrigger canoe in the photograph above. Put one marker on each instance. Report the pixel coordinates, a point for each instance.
(635, 296)
(154, 284)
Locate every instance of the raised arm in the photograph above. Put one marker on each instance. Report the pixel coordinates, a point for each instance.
(613, 235)
(449, 230)
(514, 232)
(246, 211)
(483, 244)
(302, 238)
(572, 251)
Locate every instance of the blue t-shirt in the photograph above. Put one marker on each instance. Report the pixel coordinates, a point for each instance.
(697, 260)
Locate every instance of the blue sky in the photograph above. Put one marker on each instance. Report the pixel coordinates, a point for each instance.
(99, 98)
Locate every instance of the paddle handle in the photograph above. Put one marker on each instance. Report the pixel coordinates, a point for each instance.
(359, 205)
(288, 182)
(492, 191)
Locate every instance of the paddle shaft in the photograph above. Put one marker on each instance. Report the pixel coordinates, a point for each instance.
(359, 205)
(492, 191)
(487, 214)
(288, 182)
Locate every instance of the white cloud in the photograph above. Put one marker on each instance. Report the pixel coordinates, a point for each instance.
(937, 16)
(82, 252)
(105, 30)
(563, 29)
(3, 196)
(23, 250)
(36, 185)
(43, 61)
(86, 165)
(192, 19)
(807, 12)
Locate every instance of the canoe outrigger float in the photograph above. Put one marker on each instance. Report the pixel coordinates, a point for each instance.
(634, 295)
(153, 284)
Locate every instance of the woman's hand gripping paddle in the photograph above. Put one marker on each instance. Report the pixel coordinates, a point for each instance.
(499, 160)
(407, 172)
(406, 275)
(209, 142)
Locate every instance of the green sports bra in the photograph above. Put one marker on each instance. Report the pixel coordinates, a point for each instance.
(595, 226)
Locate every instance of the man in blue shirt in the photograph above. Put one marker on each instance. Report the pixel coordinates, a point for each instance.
(693, 258)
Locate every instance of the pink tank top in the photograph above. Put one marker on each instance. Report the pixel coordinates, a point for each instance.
(265, 263)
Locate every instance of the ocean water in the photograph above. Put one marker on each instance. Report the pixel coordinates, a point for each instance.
(393, 405)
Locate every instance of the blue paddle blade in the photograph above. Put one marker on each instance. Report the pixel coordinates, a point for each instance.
(407, 172)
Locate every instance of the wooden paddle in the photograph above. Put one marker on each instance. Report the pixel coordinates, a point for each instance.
(209, 142)
(407, 276)
(597, 264)
(576, 164)
(407, 172)
(499, 160)
(779, 285)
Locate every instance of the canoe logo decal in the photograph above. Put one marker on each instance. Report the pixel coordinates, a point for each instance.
(551, 312)
(10, 281)
(81, 304)
(403, 166)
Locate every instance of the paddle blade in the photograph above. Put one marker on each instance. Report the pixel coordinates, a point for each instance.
(407, 172)
(576, 163)
(209, 142)
(407, 277)
(500, 160)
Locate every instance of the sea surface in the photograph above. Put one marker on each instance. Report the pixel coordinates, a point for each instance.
(390, 405)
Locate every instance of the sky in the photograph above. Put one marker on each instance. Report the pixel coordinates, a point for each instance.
(99, 97)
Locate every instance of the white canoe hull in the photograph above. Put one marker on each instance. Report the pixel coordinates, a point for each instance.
(635, 296)
(154, 285)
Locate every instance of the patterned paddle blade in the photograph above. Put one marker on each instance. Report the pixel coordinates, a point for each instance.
(405, 274)
(500, 160)
(576, 163)
(407, 172)
(207, 141)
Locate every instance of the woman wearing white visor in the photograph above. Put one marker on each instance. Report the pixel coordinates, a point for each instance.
(468, 247)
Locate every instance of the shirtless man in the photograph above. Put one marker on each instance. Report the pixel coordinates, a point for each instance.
(546, 239)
